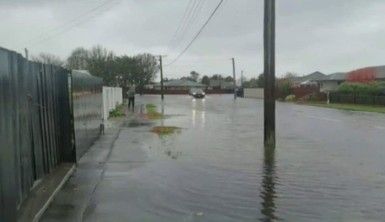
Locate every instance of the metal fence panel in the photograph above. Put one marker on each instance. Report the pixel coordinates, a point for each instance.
(7, 157)
(87, 109)
(47, 116)
(35, 126)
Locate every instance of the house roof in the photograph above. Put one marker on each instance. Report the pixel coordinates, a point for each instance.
(336, 76)
(313, 76)
(380, 72)
(310, 77)
(339, 76)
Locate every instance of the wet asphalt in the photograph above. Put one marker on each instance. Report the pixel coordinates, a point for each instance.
(328, 166)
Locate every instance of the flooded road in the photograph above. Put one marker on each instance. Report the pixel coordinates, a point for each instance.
(328, 165)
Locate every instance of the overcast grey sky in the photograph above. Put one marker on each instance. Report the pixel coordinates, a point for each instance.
(327, 35)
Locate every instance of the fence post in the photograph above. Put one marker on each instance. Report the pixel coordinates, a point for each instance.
(354, 98)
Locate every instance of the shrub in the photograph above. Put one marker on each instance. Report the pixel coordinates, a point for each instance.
(290, 98)
(283, 88)
(372, 88)
(117, 112)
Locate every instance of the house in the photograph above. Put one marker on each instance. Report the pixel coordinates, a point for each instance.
(150, 85)
(309, 79)
(221, 84)
(331, 82)
(215, 83)
(180, 84)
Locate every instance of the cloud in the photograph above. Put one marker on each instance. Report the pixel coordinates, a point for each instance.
(326, 35)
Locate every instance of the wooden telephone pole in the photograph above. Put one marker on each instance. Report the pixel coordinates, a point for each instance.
(234, 80)
(161, 78)
(269, 73)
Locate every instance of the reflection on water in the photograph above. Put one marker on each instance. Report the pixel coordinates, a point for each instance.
(162, 111)
(320, 174)
(268, 186)
(198, 108)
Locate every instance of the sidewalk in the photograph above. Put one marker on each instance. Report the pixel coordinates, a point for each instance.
(73, 199)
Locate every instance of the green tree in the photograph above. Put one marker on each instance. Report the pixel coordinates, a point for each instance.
(100, 63)
(252, 83)
(115, 70)
(205, 80)
(261, 81)
(124, 69)
(229, 79)
(194, 76)
(145, 70)
(216, 77)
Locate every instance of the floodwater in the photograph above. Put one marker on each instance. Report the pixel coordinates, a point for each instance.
(328, 165)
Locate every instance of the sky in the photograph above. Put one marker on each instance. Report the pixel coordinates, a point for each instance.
(311, 35)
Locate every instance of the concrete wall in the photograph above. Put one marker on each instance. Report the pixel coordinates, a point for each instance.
(112, 96)
(256, 93)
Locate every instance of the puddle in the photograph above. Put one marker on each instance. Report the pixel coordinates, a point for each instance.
(173, 154)
(136, 123)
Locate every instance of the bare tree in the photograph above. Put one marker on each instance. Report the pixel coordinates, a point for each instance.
(48, 58)
(78, 59)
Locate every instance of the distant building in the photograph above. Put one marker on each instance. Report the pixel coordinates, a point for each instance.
(331, 82)
(309, 79)
(221, 84)
(150, 85)
(180, 84)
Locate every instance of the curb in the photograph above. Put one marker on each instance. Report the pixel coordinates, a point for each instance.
(40, 213)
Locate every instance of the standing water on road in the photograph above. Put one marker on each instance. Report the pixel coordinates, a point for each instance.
(328, 165)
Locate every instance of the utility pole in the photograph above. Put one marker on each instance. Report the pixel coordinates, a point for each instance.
(241, 78)
(161, 78)
(269, 73)
(234, 80)
(26, 53)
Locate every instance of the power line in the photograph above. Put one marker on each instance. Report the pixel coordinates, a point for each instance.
(189, 23)
(187, 10)
(198, 33)
(190, 11)
(70, 24)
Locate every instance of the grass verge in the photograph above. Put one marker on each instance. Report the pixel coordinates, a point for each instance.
(349, 107)
(152, 113)
(165, 130)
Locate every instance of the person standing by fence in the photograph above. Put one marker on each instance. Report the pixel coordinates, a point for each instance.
(131, 97)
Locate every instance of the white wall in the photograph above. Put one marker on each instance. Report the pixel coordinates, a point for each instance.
(112, 96)
(328, 86)
(256, 93)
